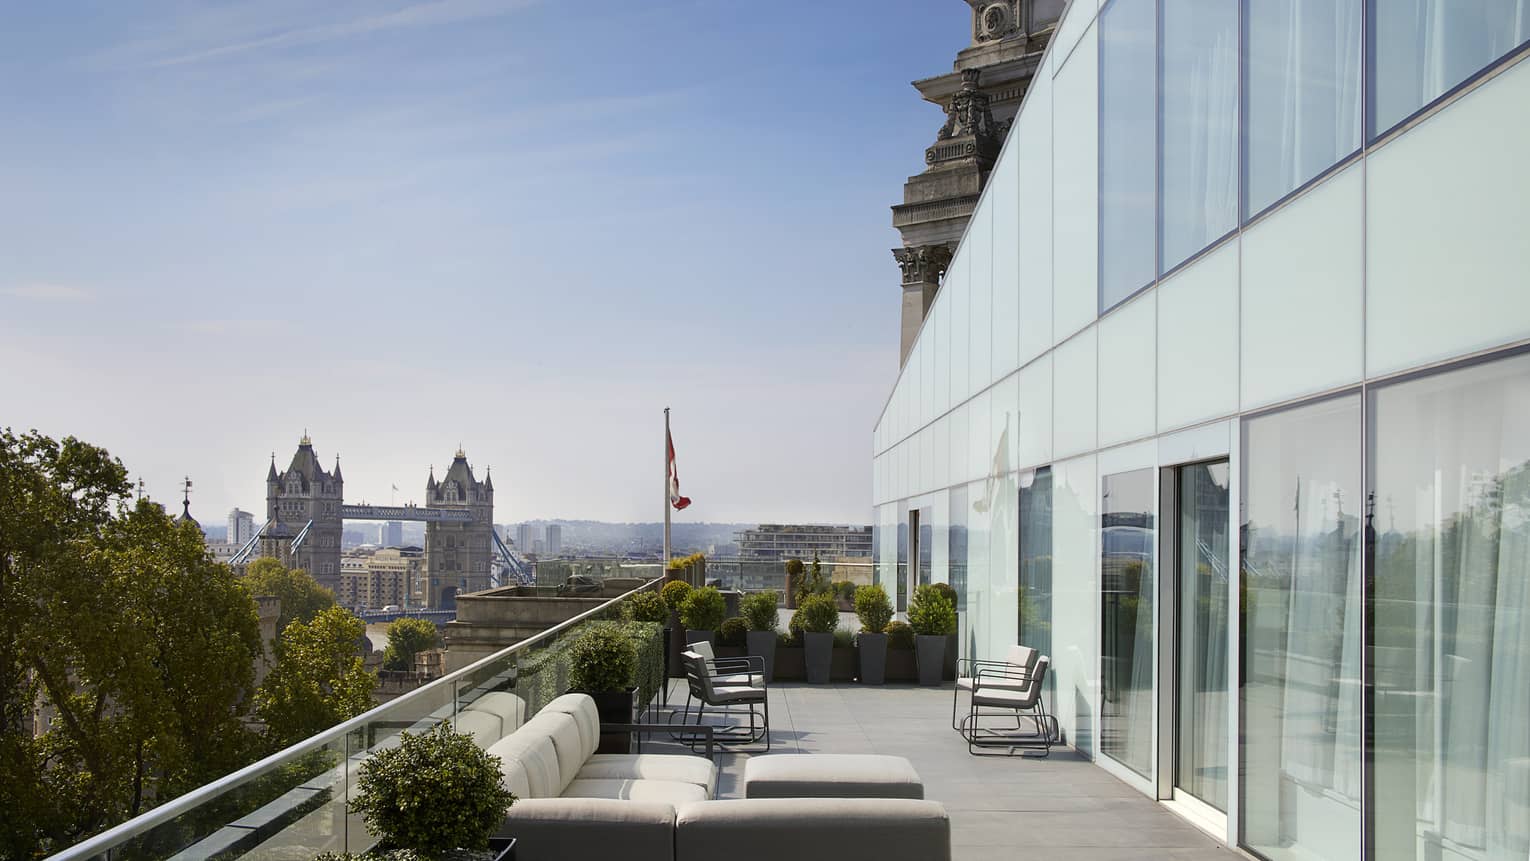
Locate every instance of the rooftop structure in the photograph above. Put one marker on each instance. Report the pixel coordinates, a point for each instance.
(775, 541)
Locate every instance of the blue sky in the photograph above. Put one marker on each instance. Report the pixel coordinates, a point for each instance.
(521, 225)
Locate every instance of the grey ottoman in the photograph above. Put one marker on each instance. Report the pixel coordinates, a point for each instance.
(831, 775)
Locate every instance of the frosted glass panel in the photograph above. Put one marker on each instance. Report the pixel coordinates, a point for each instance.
(1302, 294)
(1004, 413)
(1032, 150)
(1075, 620)
(938, 328)
(1034, 383)
(1198, 340)
(957, 291)
(1128, 406)
(939, 514)
(959, 474)
(974, 641)
(1004, 199)
(977, 248)
(942, 430)
(926, 460)
(1448, 216)
(979, 437)
(927, 409)
(1073, 395)
(1075, 192)
(1002, 628)
(1073, 25)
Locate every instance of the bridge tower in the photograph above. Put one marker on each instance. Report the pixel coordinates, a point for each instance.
(458, 555)
(303, 505)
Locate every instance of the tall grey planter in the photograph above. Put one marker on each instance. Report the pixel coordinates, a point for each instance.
(873, 649)
(700, 636)
(817, 652)
(763, 643)
(674, 641)
(930, 654)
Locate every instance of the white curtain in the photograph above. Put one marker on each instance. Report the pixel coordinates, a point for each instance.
(1426, 47)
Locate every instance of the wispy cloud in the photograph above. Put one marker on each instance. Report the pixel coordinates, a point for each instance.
(47, 292)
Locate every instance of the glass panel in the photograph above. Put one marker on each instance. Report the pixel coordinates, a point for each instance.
(1033, 154)
(1128, 344)
(1451, 526)
(957, 546)
(1302, 92)
(1201, 728)
(1301, 632)
(1035, 601)
(1075, 597)
(926, 539)
(1128, 149)
(1075, 177)
(1200, 125)
(1423, 48)
(979, 573)
(1126, 618)
(1004, 201)
(977, 249)
(902, 570)
(1074, 384)
(1198, 334)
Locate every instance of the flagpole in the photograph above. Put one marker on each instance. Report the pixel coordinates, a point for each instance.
(666, 492)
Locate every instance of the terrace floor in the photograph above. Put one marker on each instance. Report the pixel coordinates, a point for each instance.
(1062, 807)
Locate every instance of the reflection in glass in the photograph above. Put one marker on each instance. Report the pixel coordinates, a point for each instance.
(1423, 48)
(903, 536)
(979, 573)
(1302, 91)
(1301, 632)
(1128, 149)
(1200, 125)
(926, 543)
(1201, 743)
(958, 546)
(1035, 611)
(1126, 625)
(1451, 530)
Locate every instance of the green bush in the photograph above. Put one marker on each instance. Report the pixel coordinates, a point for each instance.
(931, 613)
(844, 590)
(949, 591)
(674, 594)
(734, 632)
(434, 793)
(703, 609)
(817, 614)
(759, 609)
(646, 607)
(843, 639)
(899, 635)
(603, 659)
(873, 608)
(792, 639)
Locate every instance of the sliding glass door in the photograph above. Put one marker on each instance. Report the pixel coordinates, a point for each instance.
(1201, 616)
(1126, 622)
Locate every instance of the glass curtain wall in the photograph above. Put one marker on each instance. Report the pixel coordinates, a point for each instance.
(1424, 48)
(957, 546)
(1128, 148)
(1035, 593)
(1200, 125)
(980, 595)
(1126, 618)
(1450, 461)
(1301, 654)
(1200, 766)
(1301, 107)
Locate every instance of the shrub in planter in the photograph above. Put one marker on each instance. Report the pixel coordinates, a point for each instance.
(703, 609)
(899, 635)
(435, 793)
(816, 618)
(603, 663)
(759, 611)
(674, 594)
(732, 632)
(875, 611)
(646, 607)
(933, 618)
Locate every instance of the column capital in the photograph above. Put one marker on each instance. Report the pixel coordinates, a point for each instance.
(922, 264)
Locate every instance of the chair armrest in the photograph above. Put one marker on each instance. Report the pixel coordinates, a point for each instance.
(748, 662)
(703, 729)
(1009, 676)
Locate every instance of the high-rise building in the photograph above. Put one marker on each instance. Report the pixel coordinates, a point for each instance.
(390, 534)
(1223, 406)
(775, 542)
(554, 541)
(241, 527)
(525, 537)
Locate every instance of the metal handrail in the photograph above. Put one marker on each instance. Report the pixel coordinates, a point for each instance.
(125, 831)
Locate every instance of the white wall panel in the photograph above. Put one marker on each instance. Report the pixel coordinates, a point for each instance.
(959, 444)
(943, 451)
(977, 247)
(1076, 19)
(1034, 386)
(1031, 146)
(939, 329)
(1075, 191)
(979, 437)
(1128, 405)
(1004, 200)
(1447, 219)
(1004, 423)
(1198, 340)
(1073, 395)
(1075, 602)
(955, 288)
(1302, 297)
(926, 459)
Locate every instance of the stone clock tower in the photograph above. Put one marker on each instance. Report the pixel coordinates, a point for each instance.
(980, 97)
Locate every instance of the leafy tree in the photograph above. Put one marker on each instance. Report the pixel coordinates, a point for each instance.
(407, 638)
(318, 680)
(302, 597)
(138, 648)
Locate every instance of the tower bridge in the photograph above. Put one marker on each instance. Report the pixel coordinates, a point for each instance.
(305, 510)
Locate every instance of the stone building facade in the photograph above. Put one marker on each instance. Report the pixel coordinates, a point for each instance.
(303, 494)
(458, 556)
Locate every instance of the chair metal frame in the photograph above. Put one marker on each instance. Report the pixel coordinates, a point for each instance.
(1032, 708)
(700, 680)
(970, 668)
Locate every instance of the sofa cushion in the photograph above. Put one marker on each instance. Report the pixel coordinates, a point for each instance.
(533, 749)
(510, 708)
(668, 791)
(560, 828)
(567, 744)
(831, 775)
(653, 766)
(586, 715)
(484, 727)
(845, 829)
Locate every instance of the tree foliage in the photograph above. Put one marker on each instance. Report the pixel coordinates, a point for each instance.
(302, 597)
(406, 638)
(318, 680)
(133, 647)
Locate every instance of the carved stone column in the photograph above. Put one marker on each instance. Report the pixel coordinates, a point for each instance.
(922, 267)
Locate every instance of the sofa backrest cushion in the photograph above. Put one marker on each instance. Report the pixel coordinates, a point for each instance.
(560, 828)
(484, 727)
(845, 829)
(532, 747)
(510, 708)
(582, 708)
(567, 745)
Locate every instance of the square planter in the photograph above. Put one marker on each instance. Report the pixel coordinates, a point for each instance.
(615, 707)
(700, 637)
(930, 653)
(900, 665)
(763, 643)
(791, 664)
(503, 848)
(873, 649)
(674, 644)
(729, 651)
(843, 665)
(818, 652)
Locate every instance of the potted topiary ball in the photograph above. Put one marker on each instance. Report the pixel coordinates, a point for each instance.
(702, 614)
(759, 611)
(816, 618)
(874, 610)
(933, 619)
(602, 663)
(437, 794)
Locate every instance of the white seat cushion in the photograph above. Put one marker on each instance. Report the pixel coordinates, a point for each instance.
(585, 714)
(567, 745)
(1004, 698)
(485, 727)
(831, 775)
(510, 708)
(533, 749)
(667, 791)
(653, 766)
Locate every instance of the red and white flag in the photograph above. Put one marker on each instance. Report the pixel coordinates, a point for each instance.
(675, 499)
